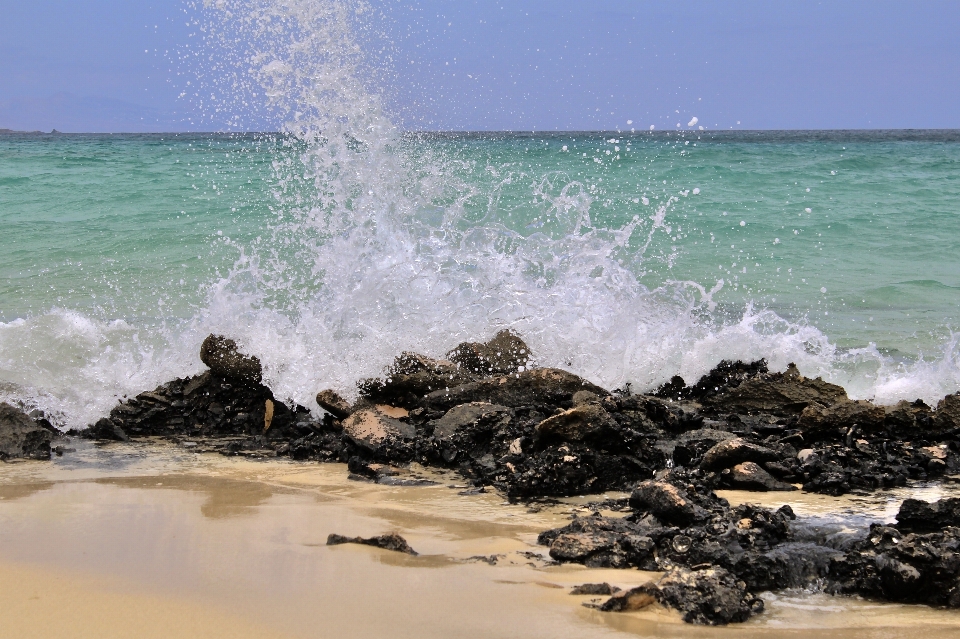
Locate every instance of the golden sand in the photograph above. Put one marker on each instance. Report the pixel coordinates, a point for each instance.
(138, 540)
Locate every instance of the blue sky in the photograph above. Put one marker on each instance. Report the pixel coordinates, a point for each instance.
(109, 65)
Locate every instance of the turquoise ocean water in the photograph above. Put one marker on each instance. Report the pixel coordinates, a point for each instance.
(329, 248)
(623, 256)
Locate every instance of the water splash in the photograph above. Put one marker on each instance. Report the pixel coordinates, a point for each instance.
(381, 242)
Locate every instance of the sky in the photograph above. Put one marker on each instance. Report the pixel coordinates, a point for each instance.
(112, 65)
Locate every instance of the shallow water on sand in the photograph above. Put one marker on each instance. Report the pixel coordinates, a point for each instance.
(153, 534)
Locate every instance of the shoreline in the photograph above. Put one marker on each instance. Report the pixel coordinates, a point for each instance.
(242, 541)
(538, 436)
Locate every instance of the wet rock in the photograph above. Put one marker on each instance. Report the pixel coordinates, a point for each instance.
(376, 432)
(595, 589)
(920, 516)
(505, 353)
(905, 417)
(411, 377)
(229, 414)
(465, 416)
(829, 483)
(708, 596)
(21, 437)
(723, 377)
(331, 402)
(817, 420)
(947, 415)
(577, 424)
(634, 599)
(911, 568)
(691, 446)
(750, 476)
(549, 386)
(605, 542)
(223, 358)
(711, 596)
(786, 393)
(585, 397)
(392, 542)
(667, 503)
(107, 429)
(731, 452)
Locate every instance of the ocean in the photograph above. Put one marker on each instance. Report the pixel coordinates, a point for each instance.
(626, 257)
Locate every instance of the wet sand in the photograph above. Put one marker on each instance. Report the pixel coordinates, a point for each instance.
(151, 540)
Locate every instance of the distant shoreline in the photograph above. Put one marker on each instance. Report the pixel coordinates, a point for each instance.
(949, 135)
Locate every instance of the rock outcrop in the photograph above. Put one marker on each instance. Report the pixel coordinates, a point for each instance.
(21, 437)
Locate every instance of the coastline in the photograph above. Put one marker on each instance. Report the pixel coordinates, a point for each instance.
(234, 547)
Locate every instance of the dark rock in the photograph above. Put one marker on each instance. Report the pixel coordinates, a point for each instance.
(749, 476)
(392, 542)
(505, 353)
(538, 386)
(605, 542)
(410, 378)
(731, 452)
(724, 376)
(465, 416)
(920, 516)
(106, 428)
(817, 420)
(634, 599)
(829, 483)
(691, 446)
(577, 424)
(911, 568)
(376, 432)
(708, 596)
(595, 589)
(331, 402)
(786, 393)
(21, 437)
(223, 358)
(906, 417)
(667, 503)
(947, 415)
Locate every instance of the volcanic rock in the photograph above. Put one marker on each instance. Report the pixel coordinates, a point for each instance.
(372, 430)
(731, 452)
(576, 424)
(711, 596)
(749, 476)
(464, 416)
(538, 386)
(786, 393)
(392, 542)
(920, 516)
(708, 596)
(21, 436)
(724, 376)
(667, 503)
(223, 358)
(911, 568)
(690, 446)
(594, 589)
(331, 402)
(605, 542)
(107, 429)
(410, 378)
(505, 353)
(947, 415)
(867, 416)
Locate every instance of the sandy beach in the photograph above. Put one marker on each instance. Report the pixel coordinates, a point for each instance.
(149, 540)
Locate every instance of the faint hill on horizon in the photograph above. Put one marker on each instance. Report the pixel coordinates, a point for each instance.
(68, 113)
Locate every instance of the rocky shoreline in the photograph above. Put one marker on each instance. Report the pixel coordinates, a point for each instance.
(539, 433)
